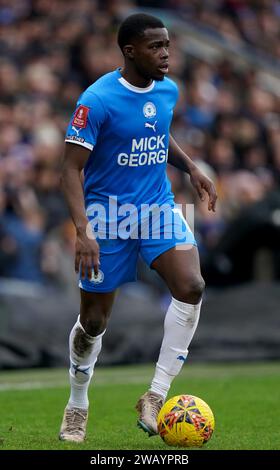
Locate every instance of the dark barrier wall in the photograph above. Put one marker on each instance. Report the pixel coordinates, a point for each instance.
(240, 323)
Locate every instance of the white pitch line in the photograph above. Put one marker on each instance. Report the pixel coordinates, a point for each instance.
(30, 385)
(104, 377)
(35, 385)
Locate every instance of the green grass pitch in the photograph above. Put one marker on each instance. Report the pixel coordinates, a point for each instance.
(243, 397)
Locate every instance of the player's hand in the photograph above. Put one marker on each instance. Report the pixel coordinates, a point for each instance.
(87, 255)
(203, 185)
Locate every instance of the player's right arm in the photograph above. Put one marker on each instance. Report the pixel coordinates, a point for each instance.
(81, 137)
(87, 249)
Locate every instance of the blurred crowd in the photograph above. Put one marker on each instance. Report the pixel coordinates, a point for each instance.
(240, 22)
(50, 50)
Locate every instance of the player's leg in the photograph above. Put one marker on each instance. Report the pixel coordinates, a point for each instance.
(117, 265)
(85, 344)
(173, 254)
(181, 272)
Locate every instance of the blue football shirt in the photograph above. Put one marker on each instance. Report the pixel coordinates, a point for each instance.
(126, 128)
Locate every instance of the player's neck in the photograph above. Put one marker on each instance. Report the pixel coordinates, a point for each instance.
(132, 77)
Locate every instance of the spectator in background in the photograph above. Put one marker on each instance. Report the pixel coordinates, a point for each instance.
(24, 225)
(8, 244)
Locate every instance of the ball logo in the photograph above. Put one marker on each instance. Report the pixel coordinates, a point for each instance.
(149, 110)
(97, 278)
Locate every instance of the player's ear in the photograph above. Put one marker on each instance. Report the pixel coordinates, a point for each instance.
(128, 51)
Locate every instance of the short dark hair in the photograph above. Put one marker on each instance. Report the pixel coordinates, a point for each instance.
(134, 26)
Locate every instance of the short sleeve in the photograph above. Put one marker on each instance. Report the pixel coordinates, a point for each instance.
(86, 121)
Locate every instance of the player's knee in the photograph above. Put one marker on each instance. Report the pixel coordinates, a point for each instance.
(190, 290)
(94, 326)
(94, 316)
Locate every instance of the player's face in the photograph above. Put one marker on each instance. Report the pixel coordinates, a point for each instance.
(151, 54)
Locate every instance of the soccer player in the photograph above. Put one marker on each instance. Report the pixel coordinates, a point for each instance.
(119, 137)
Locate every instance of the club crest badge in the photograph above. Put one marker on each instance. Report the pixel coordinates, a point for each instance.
(97, 278)
(149, 110)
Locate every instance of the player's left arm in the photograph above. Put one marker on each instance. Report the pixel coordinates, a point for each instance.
(201, 182)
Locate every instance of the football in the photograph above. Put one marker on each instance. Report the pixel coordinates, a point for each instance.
(185, 421)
